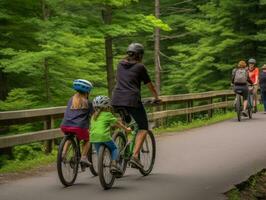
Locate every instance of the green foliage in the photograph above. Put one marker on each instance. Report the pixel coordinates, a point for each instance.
(52, 43)
(208, 39)
(19, 166)
(27, 152)
(18, 99)
(234, 194)
(3, 160)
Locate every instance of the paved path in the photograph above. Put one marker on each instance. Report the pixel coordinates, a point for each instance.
(197, 164)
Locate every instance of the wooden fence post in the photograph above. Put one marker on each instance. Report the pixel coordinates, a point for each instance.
(225, 100)
(158, 122)
(164, 121)
(8, 150)
(48, 124)
(210, 112)
(189, 115)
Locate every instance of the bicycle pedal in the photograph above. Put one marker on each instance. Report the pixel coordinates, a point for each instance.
(115, 173)
(133, 166)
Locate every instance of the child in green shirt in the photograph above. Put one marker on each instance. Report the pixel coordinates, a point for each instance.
(100, 133)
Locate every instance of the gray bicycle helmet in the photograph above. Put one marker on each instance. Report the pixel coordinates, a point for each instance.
(136, 48)
(252, 61)
(101, 102)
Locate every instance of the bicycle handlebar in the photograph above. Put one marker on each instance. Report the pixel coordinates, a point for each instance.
(152, 101)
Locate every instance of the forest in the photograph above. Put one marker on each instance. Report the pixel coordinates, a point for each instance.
(190, 45)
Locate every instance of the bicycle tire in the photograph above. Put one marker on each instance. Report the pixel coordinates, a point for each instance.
(146, 170)
(93, 158)
(121, 140)
(106, 182)
(250, 113)
(238, 107)
(74, 161)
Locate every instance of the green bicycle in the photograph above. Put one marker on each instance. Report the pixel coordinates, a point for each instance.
(126, 146)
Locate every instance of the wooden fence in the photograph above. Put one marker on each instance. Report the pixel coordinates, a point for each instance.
(188, 105)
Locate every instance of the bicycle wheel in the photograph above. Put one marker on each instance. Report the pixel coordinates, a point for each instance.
(93, 158)
(106, 177)
(238, 107)
(67, 161)
(121, 141)
(147, 154)
(250, 106)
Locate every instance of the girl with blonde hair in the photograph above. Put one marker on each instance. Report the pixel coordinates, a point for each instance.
(77, 117)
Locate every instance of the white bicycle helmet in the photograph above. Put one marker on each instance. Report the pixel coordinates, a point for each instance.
(101, 102)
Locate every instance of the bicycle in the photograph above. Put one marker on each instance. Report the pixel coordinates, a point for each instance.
(147, 153)
(68, 163)
(239, 103)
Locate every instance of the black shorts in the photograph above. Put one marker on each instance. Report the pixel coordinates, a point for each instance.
(242, 90)
(139, 115)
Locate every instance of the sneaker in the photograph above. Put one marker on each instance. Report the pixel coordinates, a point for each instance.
(245, 113)
(115, 169)
(85, 162)
(136, 163)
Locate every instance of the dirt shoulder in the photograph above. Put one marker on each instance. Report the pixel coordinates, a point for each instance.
(252, 189)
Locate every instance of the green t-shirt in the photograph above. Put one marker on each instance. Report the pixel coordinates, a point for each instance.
(100, 128)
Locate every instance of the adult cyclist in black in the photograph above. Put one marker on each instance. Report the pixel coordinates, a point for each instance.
(127, 93)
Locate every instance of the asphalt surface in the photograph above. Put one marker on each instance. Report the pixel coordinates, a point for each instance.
(202, 163)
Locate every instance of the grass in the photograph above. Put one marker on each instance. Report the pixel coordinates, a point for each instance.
(12, 166)
(182, 126)
(252, 189)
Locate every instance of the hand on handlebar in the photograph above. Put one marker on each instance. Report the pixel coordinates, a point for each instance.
(157, 101)
(128, 130)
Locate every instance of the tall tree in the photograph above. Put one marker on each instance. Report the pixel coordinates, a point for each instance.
(157, 49)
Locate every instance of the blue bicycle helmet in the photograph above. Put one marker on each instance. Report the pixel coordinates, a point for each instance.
(82, 85)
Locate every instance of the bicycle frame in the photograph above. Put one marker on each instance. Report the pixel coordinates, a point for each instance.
(129, 148)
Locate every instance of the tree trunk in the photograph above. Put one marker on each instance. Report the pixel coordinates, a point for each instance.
(3, 85)
(157, 50)
(107, 18)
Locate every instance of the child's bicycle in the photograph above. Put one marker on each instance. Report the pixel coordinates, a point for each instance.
(239, 103)
(68, 163)
(125, 146)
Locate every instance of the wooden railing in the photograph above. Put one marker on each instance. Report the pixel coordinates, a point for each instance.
(188, 103)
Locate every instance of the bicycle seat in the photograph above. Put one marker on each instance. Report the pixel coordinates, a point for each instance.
(123, 114)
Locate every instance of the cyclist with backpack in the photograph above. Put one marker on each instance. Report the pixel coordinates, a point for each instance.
(253, 73)
(130, 73)
(240, 80)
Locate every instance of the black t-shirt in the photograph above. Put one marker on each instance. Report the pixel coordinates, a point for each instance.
(128, 86)
(262, 81)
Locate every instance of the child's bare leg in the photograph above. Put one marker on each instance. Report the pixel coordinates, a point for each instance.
(86, 148)
(65, 149)
(84, 155)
